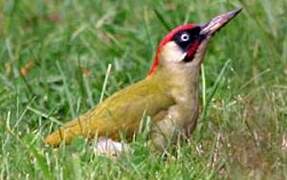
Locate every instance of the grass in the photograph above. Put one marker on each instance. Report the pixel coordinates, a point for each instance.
(55, 58)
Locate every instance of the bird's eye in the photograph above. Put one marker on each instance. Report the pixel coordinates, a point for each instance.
(184, 37)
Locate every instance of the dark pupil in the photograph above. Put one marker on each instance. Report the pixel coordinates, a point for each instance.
(185, 38)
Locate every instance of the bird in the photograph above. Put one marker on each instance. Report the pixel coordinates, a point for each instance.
(169, 94)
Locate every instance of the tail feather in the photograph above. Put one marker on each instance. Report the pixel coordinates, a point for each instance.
(66, 134)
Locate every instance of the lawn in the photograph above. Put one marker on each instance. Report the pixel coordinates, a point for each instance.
(60, 58)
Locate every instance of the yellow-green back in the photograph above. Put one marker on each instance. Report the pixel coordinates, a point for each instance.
(125, 109)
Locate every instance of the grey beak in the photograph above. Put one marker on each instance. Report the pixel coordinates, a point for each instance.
(218, 22)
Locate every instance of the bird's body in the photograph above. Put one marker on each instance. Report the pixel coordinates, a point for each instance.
(146, 97)
(169, 95)
(110, 117)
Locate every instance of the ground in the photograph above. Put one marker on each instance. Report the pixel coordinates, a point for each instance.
(55, 58)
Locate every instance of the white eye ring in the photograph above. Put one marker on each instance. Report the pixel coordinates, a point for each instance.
(184, 37)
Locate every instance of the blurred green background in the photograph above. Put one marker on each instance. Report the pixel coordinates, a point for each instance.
(54, 57)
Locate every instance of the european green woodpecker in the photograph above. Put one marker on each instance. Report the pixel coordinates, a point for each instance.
(169, 94)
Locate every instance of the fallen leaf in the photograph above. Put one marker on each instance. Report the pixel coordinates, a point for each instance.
(27, 68)
(86, 71)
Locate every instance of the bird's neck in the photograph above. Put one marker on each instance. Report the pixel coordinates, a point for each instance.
(182, 83)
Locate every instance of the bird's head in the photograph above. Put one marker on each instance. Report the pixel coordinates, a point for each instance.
(185, 45)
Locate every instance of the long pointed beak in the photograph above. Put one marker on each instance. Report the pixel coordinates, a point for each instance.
(218, 22)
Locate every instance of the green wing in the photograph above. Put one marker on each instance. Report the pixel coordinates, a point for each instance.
(121, 112)
(125, 109)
